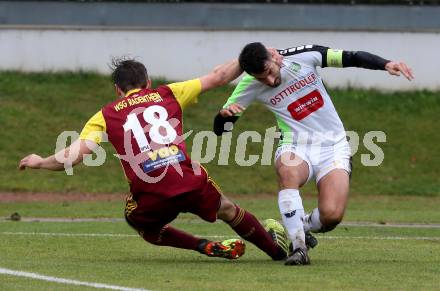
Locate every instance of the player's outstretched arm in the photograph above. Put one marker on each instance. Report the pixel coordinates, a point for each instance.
(72, 155)
(235, 105)
(221, 75)
(367, 60)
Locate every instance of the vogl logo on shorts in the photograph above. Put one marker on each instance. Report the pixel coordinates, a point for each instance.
(306, 105)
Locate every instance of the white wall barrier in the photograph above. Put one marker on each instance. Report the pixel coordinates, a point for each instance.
(185, 54)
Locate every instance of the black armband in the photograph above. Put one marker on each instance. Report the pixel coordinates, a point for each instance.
(363, 59)
(220, 122)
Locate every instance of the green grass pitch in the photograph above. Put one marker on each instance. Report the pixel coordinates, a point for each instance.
(405, 189)
(351, 257)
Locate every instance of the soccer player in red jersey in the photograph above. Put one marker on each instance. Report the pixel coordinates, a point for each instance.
(145, 127)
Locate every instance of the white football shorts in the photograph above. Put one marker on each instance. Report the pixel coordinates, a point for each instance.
(320, 159)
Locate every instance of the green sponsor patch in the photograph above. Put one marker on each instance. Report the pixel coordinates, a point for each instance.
(295, 67)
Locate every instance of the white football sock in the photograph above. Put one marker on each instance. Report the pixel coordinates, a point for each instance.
(312, 222)
(292, 212)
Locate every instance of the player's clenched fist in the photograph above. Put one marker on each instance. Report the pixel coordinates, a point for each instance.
(231, 110)
(32, 161)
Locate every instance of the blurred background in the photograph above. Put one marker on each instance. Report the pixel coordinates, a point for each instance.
(54, 66)
(184, 39)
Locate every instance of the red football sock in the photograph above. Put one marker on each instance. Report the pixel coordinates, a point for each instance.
(249, 228)
(170, 236)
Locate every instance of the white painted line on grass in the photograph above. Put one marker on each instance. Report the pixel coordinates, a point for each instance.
(392, 225)
(381, 237)
(199, 221)
(65, 281)
(71, 234)
(65, 219)
(89, 234)
(436, 238)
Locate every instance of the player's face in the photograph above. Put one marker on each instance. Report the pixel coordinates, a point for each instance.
(271, 75)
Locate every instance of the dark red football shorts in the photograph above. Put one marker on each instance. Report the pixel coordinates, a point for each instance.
(152, 211)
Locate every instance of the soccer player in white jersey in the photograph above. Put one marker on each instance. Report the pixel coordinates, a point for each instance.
(313, 141)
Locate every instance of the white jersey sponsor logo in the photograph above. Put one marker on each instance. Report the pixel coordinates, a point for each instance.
(296, 86)
(300, 103)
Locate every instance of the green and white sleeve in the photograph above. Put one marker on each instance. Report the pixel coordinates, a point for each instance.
(245, 92)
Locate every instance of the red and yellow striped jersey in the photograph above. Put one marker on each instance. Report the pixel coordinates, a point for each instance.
(145, 128)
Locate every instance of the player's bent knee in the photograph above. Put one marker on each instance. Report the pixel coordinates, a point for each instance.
(288, 178)
(227, 210)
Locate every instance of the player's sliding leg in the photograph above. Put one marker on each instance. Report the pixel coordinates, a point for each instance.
(229, 249)
(153, 227)
(248, 227)
(293, 172)
(278, 233)
(173, 237)
(333, 191)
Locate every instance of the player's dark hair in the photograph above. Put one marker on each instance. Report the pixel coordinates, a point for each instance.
(129, 74)
(253, 58)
